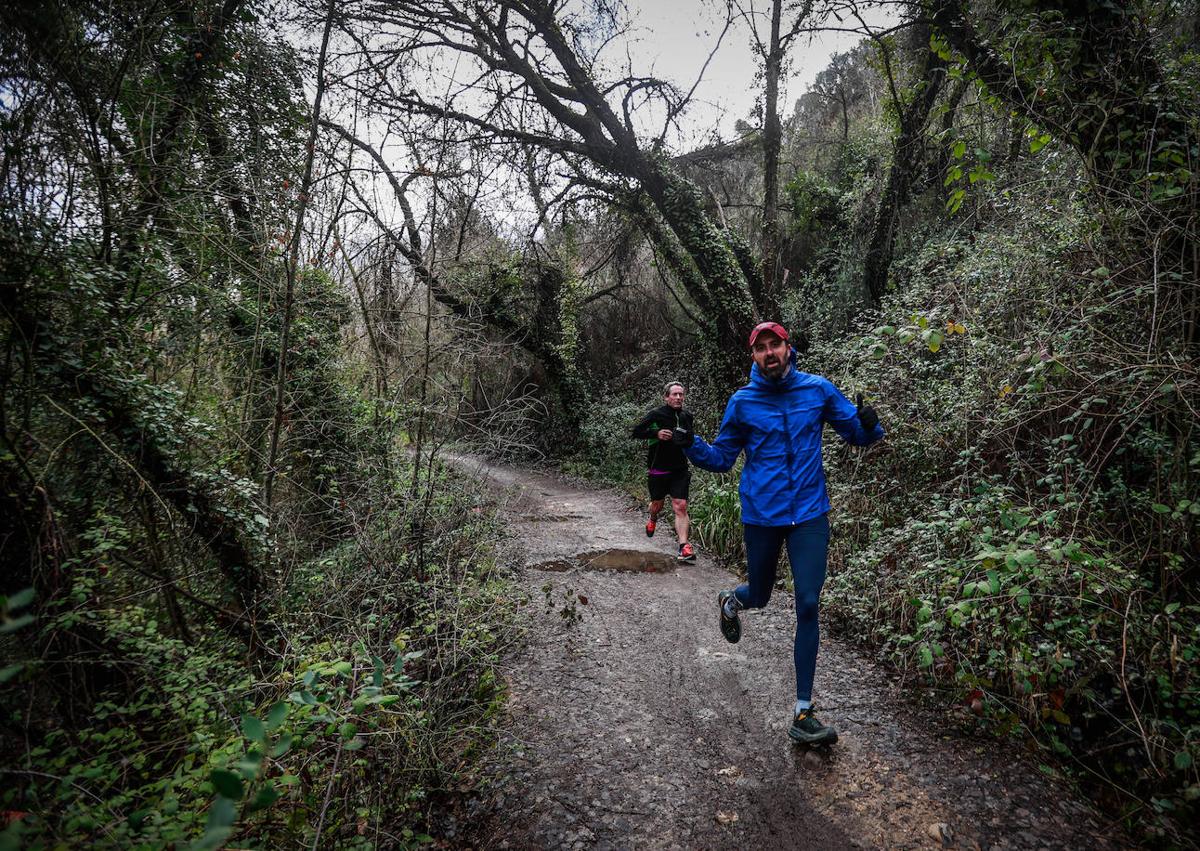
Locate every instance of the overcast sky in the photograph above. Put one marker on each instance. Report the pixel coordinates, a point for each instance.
(674, 38)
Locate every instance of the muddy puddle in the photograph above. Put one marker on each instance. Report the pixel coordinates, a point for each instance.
(631, 561)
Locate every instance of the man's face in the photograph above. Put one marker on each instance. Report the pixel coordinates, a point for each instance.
(675, 396)
(771, 354)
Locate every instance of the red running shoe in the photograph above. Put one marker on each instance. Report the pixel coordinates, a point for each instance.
(686, 553)
(651, 525)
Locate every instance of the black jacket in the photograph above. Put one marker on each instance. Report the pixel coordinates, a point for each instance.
(663, 455)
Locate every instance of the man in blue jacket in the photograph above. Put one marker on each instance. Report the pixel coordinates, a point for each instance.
(777, 420)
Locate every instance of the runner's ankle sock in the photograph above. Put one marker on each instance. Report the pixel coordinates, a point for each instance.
(732, 605)
(802, 706)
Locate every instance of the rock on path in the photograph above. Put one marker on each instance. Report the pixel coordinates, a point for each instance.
(635, 725)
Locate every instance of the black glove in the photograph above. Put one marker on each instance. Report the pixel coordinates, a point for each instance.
(866, 415)
(682, 437)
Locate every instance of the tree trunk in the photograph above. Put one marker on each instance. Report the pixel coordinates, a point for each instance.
(906, 159)
(293, 266)
(766, 298)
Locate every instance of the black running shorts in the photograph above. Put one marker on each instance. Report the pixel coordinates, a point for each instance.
(676, 484)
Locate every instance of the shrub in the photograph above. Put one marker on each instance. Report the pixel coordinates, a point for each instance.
(379, 697)
(1019, 540)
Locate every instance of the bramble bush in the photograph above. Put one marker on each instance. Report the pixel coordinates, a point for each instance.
(375, 705)
(1023, 539)
(605, 449)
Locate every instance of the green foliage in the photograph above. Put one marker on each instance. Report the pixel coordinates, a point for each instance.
(567, 603)
(815, 204)
(606, 451)
(1018, 542)
(13, 616)
(973, 169)
(715, 510)
(385, 687)
(185, 665)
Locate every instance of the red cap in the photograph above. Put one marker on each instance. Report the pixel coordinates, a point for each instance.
(774, 327)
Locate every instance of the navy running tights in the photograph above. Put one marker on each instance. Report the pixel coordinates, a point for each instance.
(807, 545)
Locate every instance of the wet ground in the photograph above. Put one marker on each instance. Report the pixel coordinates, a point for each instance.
(633, 724)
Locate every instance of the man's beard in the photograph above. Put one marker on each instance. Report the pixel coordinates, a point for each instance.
(775, 370)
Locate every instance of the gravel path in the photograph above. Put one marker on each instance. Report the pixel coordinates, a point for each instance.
(633, 724)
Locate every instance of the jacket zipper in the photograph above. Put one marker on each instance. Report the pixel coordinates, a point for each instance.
(787, 434)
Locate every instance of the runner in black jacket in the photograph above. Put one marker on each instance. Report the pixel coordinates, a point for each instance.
(669, 429)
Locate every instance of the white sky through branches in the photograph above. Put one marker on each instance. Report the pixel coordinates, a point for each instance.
(665, 39)
(672, 39)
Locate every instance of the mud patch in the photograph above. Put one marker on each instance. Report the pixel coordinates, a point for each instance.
(630, 561)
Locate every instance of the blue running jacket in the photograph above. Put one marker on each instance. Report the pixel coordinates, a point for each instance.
(779, 424)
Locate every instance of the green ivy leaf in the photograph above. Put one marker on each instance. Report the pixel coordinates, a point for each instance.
(227, 784)
(21, 599)
(993, 581)
(213, 838)
(277, 715)
(282, 746)
(13, 624)
(253, 729)
(265, 797)
(1017, 520)
(221, 816)
(939, 45)
(1025, 558)
(250, 765)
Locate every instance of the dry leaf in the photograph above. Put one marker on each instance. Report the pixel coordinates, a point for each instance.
(729, 771)
(726, 817)
(941, 832)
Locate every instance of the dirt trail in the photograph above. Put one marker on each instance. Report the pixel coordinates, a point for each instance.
(638, 726)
